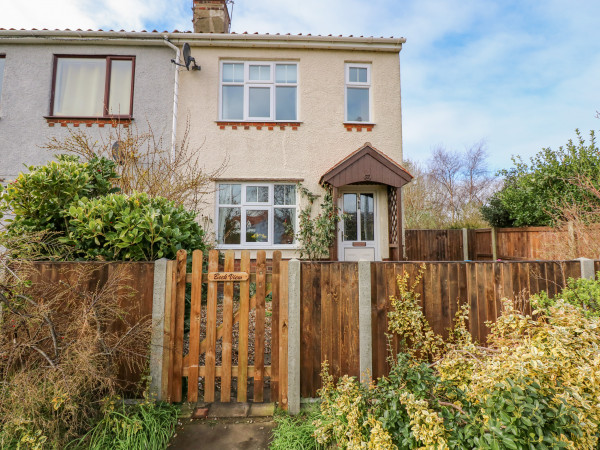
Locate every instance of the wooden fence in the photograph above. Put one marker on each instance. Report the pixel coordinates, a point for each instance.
(211, 339)
(329, 305)
(486, 244)
(136, 300)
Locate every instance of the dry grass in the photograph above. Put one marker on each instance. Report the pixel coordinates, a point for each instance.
(60, 352)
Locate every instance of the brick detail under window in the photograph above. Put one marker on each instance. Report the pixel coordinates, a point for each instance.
(102, 122)
(259, 125)
(359, 126)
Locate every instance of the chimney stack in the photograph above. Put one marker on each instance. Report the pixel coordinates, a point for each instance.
(211, 16)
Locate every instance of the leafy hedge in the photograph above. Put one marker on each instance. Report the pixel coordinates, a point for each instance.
(133, 228)
(78, 203)
(534, 193)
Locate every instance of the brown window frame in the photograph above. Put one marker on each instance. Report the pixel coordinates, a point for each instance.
(108, 59)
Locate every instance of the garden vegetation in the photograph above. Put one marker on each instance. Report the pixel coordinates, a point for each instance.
(534, 385)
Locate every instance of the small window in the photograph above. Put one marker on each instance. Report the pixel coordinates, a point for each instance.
(2, 59)
(256, 215)
(93, 86)
(262, 91)
(358, 93)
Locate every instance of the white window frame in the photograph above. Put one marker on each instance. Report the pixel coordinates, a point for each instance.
(246, 205)
(358, 84)
(272, 84)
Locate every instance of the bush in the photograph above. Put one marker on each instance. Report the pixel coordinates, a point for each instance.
(133, 228)
(534, 194)
(535, 385)
(582, 293)
(39, 200)
(76, 203)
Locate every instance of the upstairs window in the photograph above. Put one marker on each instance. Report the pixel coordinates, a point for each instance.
(93, 86)
(256, 215)
(259, 91)
(358, 93)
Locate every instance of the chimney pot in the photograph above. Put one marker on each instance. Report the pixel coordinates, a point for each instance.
(211, 16)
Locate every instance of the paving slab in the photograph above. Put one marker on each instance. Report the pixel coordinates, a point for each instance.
(224, 434)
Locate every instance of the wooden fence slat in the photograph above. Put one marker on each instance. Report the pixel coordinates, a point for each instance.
(195, 317)
(334, 287)
(345, 302)
(473, 312)
(306, 327)
(481, 304)
(283, 337)
(315, 349)
(259, 327)
(275, 290)
(226, 347)
(326, 322)
(242, 379)
(211, 330)
(177, 393)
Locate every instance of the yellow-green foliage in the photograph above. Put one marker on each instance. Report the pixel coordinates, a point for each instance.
(534, 385)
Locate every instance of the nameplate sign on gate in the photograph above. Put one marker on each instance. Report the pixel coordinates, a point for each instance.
(227, 276)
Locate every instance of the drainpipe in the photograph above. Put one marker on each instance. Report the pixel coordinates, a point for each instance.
(175, 97)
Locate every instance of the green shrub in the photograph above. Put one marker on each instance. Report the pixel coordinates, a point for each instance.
(133, 228)
(579, 292)
(535, 193)
(39, 199)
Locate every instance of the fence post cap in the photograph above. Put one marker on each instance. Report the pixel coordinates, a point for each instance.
(583, 259)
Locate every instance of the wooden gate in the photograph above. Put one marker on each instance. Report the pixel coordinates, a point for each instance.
(220, 328)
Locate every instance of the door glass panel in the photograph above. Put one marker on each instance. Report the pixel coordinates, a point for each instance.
(351, 218)
(367, 217)
(257, 225)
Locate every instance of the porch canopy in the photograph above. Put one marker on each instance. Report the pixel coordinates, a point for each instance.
(367, 165)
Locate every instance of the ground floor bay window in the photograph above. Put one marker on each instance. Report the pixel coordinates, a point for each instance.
(256, 215)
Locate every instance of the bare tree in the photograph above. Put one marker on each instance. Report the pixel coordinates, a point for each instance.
(449, 189)
(145, 163)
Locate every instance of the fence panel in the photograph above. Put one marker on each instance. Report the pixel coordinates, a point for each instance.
(328, 322)
(434, 245)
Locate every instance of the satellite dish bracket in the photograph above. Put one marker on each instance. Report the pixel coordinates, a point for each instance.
(187, 58)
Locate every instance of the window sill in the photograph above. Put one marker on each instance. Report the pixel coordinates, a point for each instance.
(258, 125)
(359, 126)
(88, 121)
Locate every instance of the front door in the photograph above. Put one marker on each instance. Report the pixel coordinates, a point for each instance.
(358, 230)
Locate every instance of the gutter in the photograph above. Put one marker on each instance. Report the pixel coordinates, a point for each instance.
(141, 38)
(175, 97)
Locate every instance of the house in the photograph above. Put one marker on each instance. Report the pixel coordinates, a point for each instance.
(319, 110)
(323, 111)
(52, 81)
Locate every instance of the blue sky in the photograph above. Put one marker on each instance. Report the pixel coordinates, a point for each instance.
(520, 75)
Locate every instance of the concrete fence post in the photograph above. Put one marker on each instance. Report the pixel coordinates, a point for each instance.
(294, 336)
(587, 268)
(158, 325)
(494, 244)
(465, 236)
(364, 321)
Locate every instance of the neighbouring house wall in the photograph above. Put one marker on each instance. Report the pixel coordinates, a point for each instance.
(320, 141)
(27, 88)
